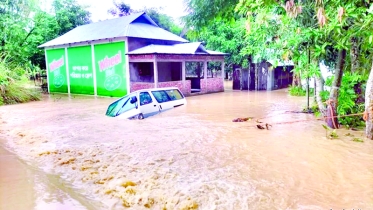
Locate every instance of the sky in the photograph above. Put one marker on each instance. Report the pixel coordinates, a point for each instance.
(99, 8)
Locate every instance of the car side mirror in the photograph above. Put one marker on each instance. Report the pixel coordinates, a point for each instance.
(133, 99)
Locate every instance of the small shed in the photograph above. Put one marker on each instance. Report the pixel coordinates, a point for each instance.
(263, 76)
(122, 55)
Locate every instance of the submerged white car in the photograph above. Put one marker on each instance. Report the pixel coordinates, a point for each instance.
(144, 103)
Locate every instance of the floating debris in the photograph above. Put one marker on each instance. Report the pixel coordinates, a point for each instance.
(68, 161)
(258, 121)
(260, 127)
(357, 140)
(333, 134)
(268, 125)
(128, 183)
(242, 119)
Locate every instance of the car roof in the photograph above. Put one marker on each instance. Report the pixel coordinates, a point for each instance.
(155, 89)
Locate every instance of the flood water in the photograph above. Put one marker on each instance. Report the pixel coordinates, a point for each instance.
(191, 157)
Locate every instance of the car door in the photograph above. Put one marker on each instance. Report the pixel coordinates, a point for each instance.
(148, 106)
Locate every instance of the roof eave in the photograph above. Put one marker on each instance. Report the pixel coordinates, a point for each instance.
(157, 53)
(82, 42)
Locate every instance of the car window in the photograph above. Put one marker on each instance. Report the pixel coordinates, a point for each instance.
(127, 106)
(120, 106)
(114, 107)
(174, 94)
(145, 98)
(161, 96)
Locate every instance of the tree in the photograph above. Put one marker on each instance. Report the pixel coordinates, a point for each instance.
(164, 21)
(203, 12)
(120, 9)
(69, 14)
(288, 30)
(224, 37)
(45, 28)
(341, 29)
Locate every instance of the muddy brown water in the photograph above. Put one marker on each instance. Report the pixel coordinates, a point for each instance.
(191, 157)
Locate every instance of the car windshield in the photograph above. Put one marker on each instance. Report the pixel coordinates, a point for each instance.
(122, 105)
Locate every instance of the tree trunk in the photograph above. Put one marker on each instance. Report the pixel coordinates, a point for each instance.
(299, 79)
(369, 105)
(354, 54)
(320, 87)
(332, 119)
(257, 76)
(296, 80)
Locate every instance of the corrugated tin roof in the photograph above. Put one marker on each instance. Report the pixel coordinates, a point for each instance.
(142, 30)
(216, 53)
(281, 63)
(137, 25)
(184, 48)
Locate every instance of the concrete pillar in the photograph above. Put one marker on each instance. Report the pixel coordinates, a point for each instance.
(223, 73)
(155, 72)
(222, 70)
(67, 71)
(205, 74)
(127, 60)
(47, 69)
(205, 70)
(183, 74)
(94, 70)
(270, 79)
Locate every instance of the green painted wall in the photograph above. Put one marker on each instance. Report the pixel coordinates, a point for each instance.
(111, 69)
(110, 64)
(80, 70)
(56, 66)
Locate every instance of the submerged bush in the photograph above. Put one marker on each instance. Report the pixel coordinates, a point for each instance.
(13, 84)
(299, 91)
(296, 91)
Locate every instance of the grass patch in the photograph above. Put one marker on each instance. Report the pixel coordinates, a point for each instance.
(13, 84)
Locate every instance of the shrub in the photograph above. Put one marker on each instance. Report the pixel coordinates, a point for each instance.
(296, 91)
(350, 99)
(13, 80)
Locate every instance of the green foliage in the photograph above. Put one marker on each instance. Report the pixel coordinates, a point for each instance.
(350, 98)
(69, 14)
(164, 21)
(12, 84)
(296, 91)
(18, 93)
(120, 9)
(205, 12)
(324, 95)
(23, 27)
(224, 37)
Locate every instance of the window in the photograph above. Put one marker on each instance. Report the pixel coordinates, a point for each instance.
(120, 106)
(167, 95)
(145, 98)
(161, 96)
(174, 94)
